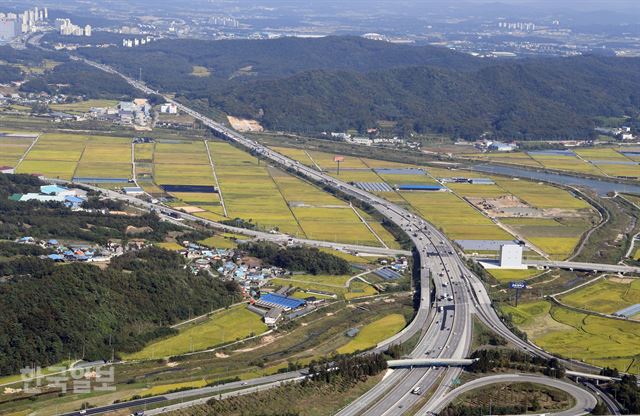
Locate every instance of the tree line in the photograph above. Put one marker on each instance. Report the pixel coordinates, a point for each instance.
(297, 258)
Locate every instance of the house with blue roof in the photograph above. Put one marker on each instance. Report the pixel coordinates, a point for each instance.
(56, 257)
(73, 202)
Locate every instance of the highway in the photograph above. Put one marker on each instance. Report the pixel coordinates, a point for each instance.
(173, 214)
(270, 381)
(445, 333)
(584, 400)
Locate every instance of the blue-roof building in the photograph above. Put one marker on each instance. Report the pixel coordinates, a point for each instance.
(56, 257)
(273, 300)
(73, 201)
(53, 189)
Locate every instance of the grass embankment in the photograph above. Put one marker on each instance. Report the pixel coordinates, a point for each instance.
(223, 327)
(371, 334)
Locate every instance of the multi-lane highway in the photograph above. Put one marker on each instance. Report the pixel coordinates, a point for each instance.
(445, 326)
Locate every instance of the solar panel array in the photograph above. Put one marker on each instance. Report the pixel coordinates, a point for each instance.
(374, 186)
(387, 274)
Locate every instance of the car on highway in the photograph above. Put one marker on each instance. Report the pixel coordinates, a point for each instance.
(417, 390)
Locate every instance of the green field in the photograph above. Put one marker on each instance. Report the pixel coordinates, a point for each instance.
(82, 106)
(144, 152)
(503, 275)
(541, 195)
(12, 149)
(455, 216)
(606, 295)
(556, 237)
(596, 340)
(371, 334)
(223, 327)
(219, 242)
(50, 169)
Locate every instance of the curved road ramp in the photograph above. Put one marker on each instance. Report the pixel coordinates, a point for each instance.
(584, 400)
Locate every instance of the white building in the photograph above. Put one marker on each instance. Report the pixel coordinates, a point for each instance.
(501, 147)
(169, 108)
(361, 140)
(87, 30)
(511, 257)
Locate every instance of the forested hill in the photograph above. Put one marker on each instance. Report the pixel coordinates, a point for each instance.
(520, 99)
(335, 83)
(50, 312)
(169, 63)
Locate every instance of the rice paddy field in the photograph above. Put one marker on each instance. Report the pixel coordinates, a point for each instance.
(249, 191)
(556, 237)
(607, 295)
(593, 339)
(63, 156)
(456, 216)
(458, 219)
(223, 327)
(12, 149)
(540, 195)
(584, 160)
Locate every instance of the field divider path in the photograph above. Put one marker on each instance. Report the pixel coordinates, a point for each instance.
(75, 169)
(588, 162)
(215, 177)
(26, 152)
(275, 182)
(367, 225)
(359, 276)
(133, 164)
(313, 161)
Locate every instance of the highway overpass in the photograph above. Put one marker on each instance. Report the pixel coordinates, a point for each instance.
(589, 267)
(430, 362)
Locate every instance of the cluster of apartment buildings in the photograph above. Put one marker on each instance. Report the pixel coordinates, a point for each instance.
(66, 28)
(131, 43)
(14, 24)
